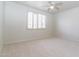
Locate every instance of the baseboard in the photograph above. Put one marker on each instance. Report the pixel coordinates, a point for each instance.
(26, 40)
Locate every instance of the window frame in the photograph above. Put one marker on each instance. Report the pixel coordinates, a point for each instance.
(37, 22)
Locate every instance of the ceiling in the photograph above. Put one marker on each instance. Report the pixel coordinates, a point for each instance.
(40, 4)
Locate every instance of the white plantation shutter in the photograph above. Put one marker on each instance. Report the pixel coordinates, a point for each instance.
(36, 21)
(30, 17)
(39, 21)
(43, 22)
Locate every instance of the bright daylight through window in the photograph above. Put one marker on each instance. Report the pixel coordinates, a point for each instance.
(36, 21)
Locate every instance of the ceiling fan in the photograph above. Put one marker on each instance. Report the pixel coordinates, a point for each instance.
(54, 6)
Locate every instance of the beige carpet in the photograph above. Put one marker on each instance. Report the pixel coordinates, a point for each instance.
(43, 48)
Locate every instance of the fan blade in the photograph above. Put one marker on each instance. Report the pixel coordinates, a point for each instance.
(59, 4)
(51, 3)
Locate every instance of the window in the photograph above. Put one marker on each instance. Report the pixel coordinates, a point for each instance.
(36, 21)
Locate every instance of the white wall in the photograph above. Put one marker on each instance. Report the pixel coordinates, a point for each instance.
(1, 21)
(16, 21)
(68, 24)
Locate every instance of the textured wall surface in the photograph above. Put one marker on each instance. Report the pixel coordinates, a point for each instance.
(68, 24)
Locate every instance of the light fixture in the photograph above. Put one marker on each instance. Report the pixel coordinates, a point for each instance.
(51, 7)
